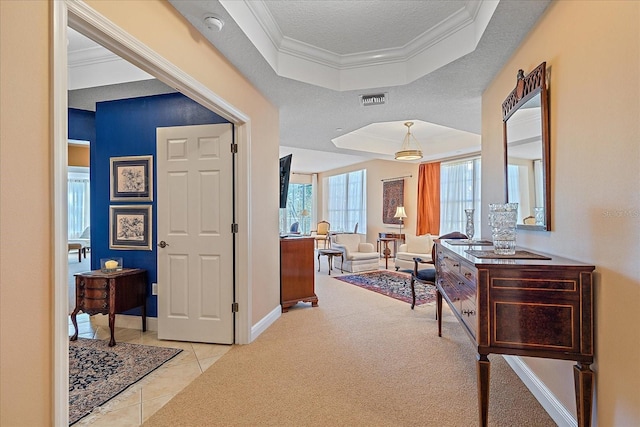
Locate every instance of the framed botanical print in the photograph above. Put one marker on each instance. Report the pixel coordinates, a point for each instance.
(130, 227)
(132, 178)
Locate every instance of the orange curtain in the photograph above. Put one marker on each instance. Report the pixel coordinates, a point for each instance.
(428, 199)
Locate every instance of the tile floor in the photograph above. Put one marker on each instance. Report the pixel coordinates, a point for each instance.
(141, 400)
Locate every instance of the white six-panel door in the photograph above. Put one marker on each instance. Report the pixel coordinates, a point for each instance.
(195, 262)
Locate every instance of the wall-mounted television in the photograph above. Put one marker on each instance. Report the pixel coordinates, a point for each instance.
(285, 173)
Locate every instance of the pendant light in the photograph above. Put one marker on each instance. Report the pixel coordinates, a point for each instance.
(410, 149)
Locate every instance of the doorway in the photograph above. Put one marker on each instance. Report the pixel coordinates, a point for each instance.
(93, 25)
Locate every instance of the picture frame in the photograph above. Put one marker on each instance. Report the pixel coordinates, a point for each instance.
(131, 178)
(130, 227)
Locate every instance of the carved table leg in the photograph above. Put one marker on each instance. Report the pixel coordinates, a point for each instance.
(483, 368)
(439, 311)
(75, 324)
(112, 324)
(144, 317)
(583, 379)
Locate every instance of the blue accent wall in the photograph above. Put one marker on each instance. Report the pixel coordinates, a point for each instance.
(81, 125)
(128, 128)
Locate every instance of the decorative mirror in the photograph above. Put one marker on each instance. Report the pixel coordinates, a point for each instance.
(525, 114)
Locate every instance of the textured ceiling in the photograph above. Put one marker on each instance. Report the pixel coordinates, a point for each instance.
(310, 115)
(349, 27)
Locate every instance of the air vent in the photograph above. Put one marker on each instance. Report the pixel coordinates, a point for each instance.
(375, 99)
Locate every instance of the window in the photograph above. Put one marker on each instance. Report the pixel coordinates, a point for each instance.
(459, 190)
(78, 215)
(346, 200)
(298, 209)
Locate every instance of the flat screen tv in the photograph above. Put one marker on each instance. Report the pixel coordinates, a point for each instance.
(285, 172)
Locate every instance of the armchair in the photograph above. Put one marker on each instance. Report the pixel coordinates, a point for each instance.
(357, 256)
(415, 247)
(424, 271)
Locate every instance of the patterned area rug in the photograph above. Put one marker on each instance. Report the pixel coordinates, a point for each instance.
(392, 284)
(97, 372)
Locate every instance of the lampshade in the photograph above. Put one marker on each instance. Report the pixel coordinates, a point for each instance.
(410, 149)
(400, 213)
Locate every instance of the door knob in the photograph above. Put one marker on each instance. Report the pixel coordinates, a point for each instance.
(163, 244)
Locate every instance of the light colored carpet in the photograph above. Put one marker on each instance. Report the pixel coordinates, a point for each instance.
(358, 359)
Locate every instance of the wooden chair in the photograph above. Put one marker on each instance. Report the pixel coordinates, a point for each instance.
(322, 233)
(427, 276)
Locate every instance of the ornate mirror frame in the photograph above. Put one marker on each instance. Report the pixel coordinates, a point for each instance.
(527, 88)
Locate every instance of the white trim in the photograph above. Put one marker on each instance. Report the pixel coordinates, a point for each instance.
(450, 39)
(265, 322)
(541, 392)
(60, 272)
(89, 22)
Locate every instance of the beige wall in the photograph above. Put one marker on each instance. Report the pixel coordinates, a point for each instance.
(592, 49)
(26, 288)
(25, 236)
(78, 155)
(376, 171)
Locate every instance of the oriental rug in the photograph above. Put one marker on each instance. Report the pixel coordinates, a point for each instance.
(392, 284)
(97, 372)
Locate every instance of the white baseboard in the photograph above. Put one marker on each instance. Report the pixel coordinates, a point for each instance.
(265, 322)
(126, 321)
(541, 392)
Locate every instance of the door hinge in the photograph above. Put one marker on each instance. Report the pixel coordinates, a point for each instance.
(234, 307)
(234, 148)
(234, 228)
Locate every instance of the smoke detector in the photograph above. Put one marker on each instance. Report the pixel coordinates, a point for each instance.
(213, 22)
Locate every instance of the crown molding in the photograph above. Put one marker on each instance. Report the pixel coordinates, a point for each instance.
(439, 45)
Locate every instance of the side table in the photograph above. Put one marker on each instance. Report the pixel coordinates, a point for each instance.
(330, 253)
(110, 293)
(386, 251)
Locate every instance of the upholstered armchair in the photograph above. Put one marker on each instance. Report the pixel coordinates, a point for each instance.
(414, 247)
(321, 234)
(357, 256)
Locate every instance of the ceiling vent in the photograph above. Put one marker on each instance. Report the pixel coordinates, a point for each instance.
(375, 99)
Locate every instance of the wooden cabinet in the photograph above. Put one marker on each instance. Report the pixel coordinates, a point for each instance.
(297, 275)
(110, 293)
(526, 307)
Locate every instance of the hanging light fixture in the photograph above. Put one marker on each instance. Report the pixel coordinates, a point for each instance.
(410, 149)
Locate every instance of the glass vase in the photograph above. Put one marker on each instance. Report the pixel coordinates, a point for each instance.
(502, 220)
(469, 228)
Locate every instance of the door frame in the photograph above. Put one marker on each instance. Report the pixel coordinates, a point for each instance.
(86, 20)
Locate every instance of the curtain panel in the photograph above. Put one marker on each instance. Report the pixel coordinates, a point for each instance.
(428, 221)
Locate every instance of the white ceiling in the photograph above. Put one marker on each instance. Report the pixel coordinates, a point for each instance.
(376, 46)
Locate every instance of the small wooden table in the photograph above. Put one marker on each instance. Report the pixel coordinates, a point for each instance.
(386, 252)
(110, 293)
(330, 253)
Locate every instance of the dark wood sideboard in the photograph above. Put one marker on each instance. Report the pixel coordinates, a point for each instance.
(297, 273)
(110, 293)
(524, 307)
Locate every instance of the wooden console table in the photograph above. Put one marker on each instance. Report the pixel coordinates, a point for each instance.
(297, 275)
(524, 307)
(110, 293)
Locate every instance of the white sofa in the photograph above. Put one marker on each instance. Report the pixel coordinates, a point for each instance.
(414, 247)
(357, 256)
